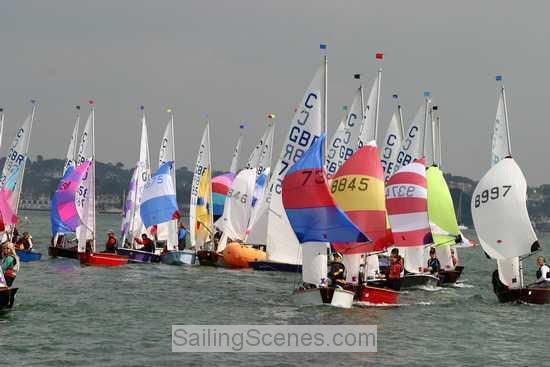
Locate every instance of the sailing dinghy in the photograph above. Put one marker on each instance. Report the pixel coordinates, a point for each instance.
(136, 227)
(317, 221)
(358, 189)
(59, 228)
(85, 202)
(168, 231)
(12, 180)
(501, 220)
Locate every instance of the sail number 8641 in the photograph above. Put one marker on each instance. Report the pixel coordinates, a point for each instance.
(491, 194)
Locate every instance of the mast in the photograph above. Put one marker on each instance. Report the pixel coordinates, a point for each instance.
(427, 95)
(1, 125)
(325, 87)
(432, 115)
(92, 104)
(439, 141)
(211, 212)
(376, 113)
(503, 93)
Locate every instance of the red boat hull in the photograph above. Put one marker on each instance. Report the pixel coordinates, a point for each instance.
(102, 259)
(377, 296)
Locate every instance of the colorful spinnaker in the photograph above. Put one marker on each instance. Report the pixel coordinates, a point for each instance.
(65, 197)
(220, 188)
(158, 203)
(309, 205)
(358, 189)
(407, 205)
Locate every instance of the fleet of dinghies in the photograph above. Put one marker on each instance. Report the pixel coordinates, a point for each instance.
(320, 196)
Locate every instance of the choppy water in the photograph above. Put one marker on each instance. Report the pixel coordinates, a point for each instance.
(70, 315)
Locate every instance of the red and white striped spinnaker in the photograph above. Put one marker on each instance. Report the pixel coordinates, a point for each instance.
(407, 206)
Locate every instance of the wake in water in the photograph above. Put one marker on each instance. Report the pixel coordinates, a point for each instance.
(462, 285)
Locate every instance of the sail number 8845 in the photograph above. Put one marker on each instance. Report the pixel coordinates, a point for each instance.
(491, 194)
(342, 184)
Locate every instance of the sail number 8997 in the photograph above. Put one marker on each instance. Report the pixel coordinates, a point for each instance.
(343, 184)
(491, 194)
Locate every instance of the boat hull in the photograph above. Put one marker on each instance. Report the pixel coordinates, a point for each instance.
(538, 296)
(137, 256)
(324, 295)
(210, 258)
(71, 253)
(275, 266)
(413, 280)
(26, 256)
(450, 276)
(236, 255)
(102, 259)
(7, 298)
(185, 257)
(377, 296)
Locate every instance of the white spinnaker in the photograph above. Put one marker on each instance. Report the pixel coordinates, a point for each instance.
(168, 231)
(367, 130)
(499, 148)
(314, 266)
(71, 151)
(235, 159)
(411, 145)
(391, 145)
(203, 163)
(344, 140)
(499, 212)
(305, 127)
(85, 195)
(509, 272)
(238, 206)
(17, 159)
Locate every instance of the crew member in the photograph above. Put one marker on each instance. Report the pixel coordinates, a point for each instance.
(543, 273)
(111, 244)
(433, 262)
(395, 269)
(10, 263)
(337, 271)
(147, 243)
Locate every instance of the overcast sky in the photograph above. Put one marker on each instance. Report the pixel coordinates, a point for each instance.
(239, 60)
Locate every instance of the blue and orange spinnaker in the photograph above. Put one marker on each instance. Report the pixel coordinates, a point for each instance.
(310, 208)
(358, 189)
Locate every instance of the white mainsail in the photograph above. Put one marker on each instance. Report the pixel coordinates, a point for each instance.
(85, 195)
(391, 145)
(236, 152)
(368, 128)
(168, 231)
(261, 156)
(71, 151)
(344, 140)
(411, 147)
(257, 227)
(305, 128)
(14, 167)
(202, 167)
(499, 212)
(142, 174)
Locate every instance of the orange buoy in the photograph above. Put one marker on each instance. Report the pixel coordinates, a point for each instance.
(236, 255)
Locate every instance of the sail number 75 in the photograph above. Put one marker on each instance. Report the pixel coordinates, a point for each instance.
(491, 194)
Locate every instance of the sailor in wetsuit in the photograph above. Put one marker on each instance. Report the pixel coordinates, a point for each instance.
(543, 273)
(337, 271)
